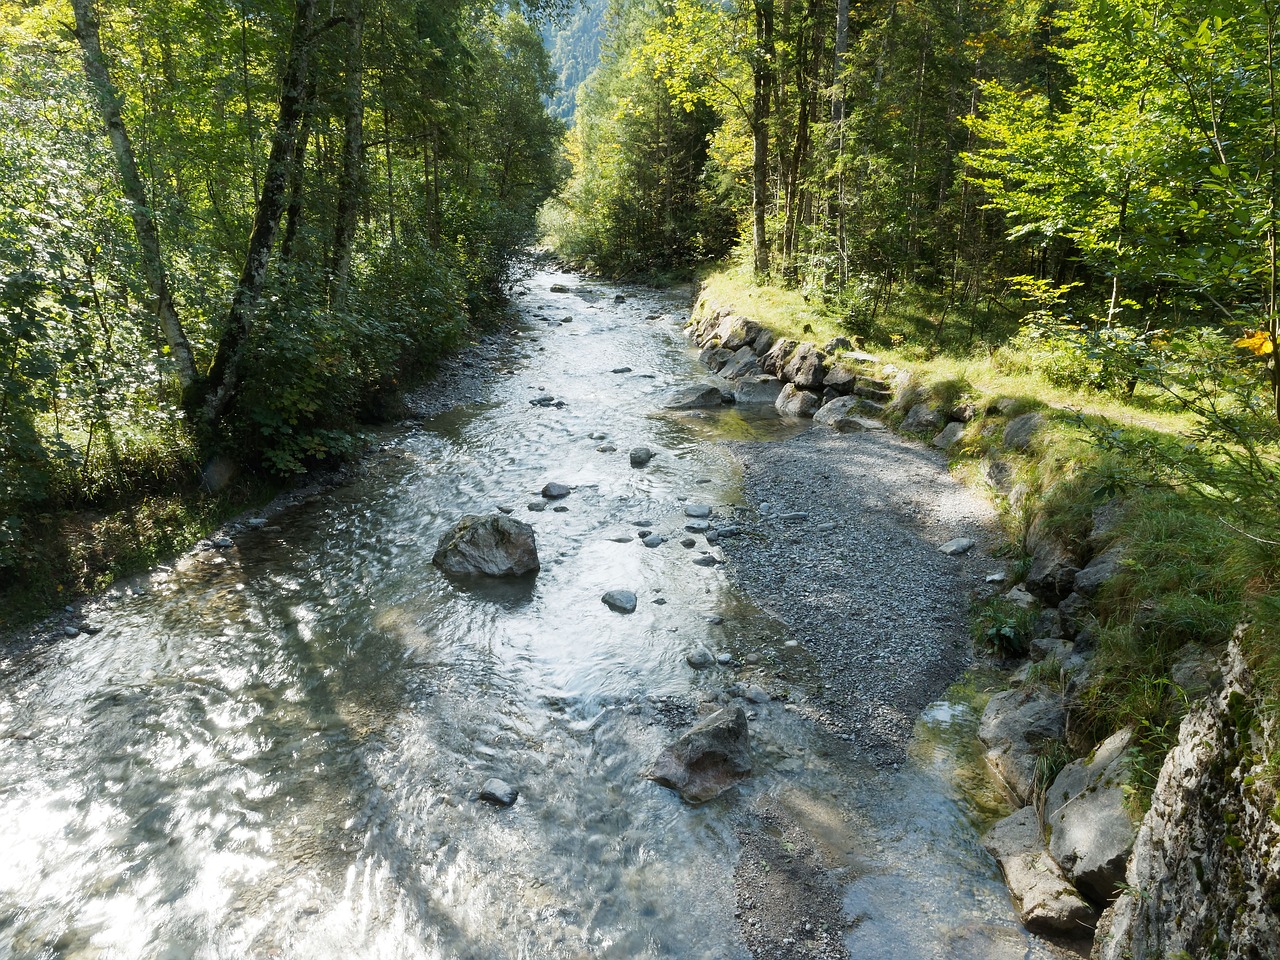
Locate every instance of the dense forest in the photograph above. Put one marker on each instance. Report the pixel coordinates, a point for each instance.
(229, 231)
(1121, 156)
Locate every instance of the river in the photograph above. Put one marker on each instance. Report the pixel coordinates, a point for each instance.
(274, 749)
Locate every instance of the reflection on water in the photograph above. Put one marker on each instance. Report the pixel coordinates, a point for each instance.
(275, 752)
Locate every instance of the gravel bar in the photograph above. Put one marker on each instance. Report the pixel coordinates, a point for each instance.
(859, 580)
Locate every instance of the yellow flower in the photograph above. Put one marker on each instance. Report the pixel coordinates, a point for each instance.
(1259, 343)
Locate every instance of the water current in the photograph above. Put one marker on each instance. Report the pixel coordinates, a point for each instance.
(274, 750)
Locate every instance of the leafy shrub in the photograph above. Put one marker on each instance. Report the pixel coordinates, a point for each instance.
(1003, 627)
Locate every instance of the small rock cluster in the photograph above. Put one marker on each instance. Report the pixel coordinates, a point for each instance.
(832, 384)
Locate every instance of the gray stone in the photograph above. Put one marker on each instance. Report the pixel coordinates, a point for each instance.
(764, 342)
(697, 510)
(620, 601)
(756, 694)
(1019, 432)
(620, 370)
(1046, 900)
(737, 332)
(715, 357)
(498, 792)
(840, 379)
(956, 547)
(858, 424)
(1053, 571)
(743, 364)
(775, 360)
(494, 545)
(796, 403)
(727, 532)
(606, 448)
(921, 418)
(556, 491)
(1106, 519)
(640, 456)
(708, 759)
(757, 390)
(947, 437)
(838, 409)
(699, 659)
(1204, 865)
(688, 542)
(654, 540)
(705, 560)
(537, 506)
(806, 367)
(793, 516)
(1074, 614)
(1099, 570)
(695, 396)
(1090, 830)
(559, 288)
(698, 526)
(1195, 669)
(1016, 725)
(1018, 594)
(1050, 648)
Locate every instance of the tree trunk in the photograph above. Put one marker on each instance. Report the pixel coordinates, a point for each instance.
(224, 375)
(351, 180)
(293, 215)
(761, 76)
(144, 225)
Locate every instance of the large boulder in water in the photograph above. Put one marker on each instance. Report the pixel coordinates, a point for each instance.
(496, 546)
(708, 759)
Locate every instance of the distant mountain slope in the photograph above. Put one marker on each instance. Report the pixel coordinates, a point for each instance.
(575, 51)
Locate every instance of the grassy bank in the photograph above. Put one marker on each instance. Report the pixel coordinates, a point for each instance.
(1188, 576)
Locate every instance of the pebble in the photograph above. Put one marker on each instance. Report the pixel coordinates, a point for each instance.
(640, 456)
(706, 560)
(537, 506)
(956, 547)
(794, 516)
(698, 526)
(825, 527)
(606, 448)
(620, 370)
(622, 538)
(688, 542)
(724, 659)
(71, 631)
(654, 540)
(556, 491)
(560, 508)
(697, 510)
(723, 532)
(506, 509)
(257, 522)
(223, 542)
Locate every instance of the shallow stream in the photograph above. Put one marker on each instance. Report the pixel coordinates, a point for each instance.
(274, 749)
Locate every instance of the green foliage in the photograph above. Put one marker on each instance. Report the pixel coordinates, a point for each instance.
(1003, 627)
(638, 202)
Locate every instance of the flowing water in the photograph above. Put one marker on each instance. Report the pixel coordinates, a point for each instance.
(274, 750)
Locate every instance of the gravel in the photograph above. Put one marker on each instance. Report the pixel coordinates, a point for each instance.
(882, 612)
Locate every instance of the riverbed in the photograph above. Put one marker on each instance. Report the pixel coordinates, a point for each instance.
(273, 748)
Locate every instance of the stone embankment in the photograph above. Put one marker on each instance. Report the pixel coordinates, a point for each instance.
(1200, 875)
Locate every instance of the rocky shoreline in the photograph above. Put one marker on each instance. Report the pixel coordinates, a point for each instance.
(1074, 856)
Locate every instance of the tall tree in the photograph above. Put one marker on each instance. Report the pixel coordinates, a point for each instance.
(140, 209)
